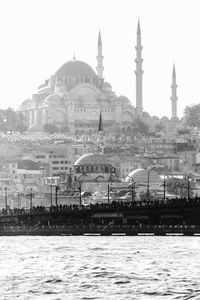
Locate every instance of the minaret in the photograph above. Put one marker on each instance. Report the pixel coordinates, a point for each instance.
(174, 97)
(99, 67)
(139, 72)
(100, 127)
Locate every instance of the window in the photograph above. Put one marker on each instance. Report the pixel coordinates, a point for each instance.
(55, 162)
(55, 168)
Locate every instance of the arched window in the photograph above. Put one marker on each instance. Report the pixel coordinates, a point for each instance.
(103, 169)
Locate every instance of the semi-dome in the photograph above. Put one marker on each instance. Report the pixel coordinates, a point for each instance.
(107, 87)
(75, 68)
(142, 175)
(106, 84)
(53, 100)
(92, 159)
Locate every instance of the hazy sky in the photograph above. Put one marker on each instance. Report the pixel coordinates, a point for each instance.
(38, 36)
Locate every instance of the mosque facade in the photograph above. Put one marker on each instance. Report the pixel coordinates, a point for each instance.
(75, 95)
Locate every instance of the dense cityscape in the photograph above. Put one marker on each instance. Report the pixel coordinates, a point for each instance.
(76, 142)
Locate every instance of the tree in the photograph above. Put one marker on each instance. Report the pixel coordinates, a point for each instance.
(21, 123)
(192, 115)
(178, 187)
(10, 118)
(65, 129)
(50, 128)
(159, 126)
(140, 126)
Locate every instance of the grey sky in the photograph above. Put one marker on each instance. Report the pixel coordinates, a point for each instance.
(37, 37)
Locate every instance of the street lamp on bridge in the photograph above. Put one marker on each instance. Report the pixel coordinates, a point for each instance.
(148, 179)
(132, 188)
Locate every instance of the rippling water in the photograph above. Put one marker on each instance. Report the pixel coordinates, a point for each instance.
(94, 267)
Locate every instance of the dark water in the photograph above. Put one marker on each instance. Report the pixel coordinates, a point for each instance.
(95, 267)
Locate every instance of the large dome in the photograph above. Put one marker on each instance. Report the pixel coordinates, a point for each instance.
(141, 176)
(75, 68)
(92, 159)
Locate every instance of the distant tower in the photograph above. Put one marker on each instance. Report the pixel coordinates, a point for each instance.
(100, 127)
(174, 97)
(99, 67)
(139, 72)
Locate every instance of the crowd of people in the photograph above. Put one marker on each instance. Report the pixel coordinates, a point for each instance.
(110, 206)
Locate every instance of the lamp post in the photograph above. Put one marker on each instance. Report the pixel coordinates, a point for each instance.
(80, 199)
(108, 193)
(188, 186)
(164, 185)
(18, 199)
(6, 198)
(56, 194)
(51, 194)
(148, 177)
(31, 199)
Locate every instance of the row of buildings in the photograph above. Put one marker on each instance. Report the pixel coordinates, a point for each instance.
(24, 166)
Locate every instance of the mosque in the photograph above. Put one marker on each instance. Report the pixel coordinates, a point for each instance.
(75, 95)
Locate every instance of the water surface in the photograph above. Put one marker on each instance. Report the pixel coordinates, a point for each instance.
(94, 267)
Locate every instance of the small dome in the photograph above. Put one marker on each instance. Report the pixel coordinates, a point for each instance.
(35, 128)
(165, 119)
(107, 87)
(141, 176)
(26, 102)
(123, 100)
(106, 84)
(174, 119)
(53, 100)
(92, 159)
